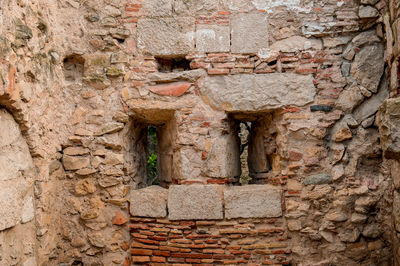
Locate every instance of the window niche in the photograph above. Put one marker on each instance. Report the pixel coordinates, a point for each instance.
(153, 143)
(172, 64)
(73, 67)
(256, 145)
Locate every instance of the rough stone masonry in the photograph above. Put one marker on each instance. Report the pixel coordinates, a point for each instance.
(314, 180)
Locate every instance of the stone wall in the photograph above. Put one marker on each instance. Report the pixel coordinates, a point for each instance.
(389, 123)
(83, 79)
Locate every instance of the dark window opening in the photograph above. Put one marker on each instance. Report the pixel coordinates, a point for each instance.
(153, 145)
(254, 146)
(172, 64)
(73, 68)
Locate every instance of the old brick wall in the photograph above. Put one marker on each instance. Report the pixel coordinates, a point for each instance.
(83, 78)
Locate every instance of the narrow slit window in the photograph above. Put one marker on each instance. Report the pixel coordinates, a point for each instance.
(254, 147)
(151, 155)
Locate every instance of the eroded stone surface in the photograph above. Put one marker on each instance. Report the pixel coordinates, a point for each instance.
(14, 152)
(15, 158)
(213, 38)
(258, 92)
(249, 33)
(368, 66)
(252, 201)
(389, 128)
(194, 202)
(149, 202)
(175, 36)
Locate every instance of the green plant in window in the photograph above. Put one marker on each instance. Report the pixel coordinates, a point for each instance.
(152, 170)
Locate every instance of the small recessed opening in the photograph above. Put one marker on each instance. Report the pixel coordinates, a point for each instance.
(175, 64)
(153, 144)
(253, 139)
(73, 67)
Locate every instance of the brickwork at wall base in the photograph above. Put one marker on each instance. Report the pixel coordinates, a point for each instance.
(238, 241)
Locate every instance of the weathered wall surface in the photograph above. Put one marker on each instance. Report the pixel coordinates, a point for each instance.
(388, 116)
(83, 78)
(17, 230)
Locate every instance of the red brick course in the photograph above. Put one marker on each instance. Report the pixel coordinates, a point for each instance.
(242, 241)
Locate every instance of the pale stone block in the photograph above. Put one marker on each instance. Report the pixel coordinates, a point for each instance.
(249, 33)
(212, 38)
(194, 202)
(260, 92)
(223, 160)
(149, 202)
(28, 210)
(252, 201)
(166, 36)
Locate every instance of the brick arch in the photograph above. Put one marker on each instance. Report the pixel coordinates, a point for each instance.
(9, 100)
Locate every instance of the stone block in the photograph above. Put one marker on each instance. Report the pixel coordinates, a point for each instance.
(252, 201)
(318, 179)
(166, 36)
(213, 38)
(389, 128)
(223, 158)
(368, 66)
(194, 202)
(149, 202)
(260, 92)
(372, 104)
(249, 33)
(75, 162)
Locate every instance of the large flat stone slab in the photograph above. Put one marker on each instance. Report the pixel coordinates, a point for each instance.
(194, 202)
(166, 36)
(213, 38)
(249, 33)
(252, 201)
(149, 202)
(258, 92)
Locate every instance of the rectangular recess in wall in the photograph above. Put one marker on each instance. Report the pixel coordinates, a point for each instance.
(251, 131)
(153, 142)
